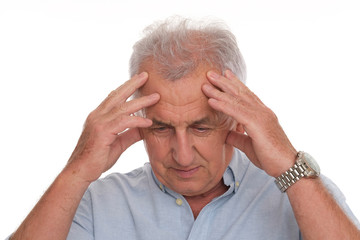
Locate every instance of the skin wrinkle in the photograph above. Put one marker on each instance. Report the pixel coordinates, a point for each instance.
(181, 146)
(219, 118)
(182, 108)
(206, 123)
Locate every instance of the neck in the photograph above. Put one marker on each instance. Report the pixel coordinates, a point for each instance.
(198, 202)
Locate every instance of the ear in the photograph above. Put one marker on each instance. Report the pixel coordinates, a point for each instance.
(240, 128)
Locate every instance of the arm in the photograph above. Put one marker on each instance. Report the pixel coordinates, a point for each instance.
(268, 147)
(322, 217)
(52, 216)
(102, 142)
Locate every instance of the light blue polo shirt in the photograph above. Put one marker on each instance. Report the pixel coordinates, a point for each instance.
(137, 206)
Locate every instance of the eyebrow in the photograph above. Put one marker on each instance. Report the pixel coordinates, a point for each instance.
(205, 120)
(158, 122)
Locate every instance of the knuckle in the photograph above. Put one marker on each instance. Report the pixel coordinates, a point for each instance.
(238, 91)
(119, 110)
(93, 122)
(123, 108)
(129, 85)
(91, 117)
(112, 93)
(239, 102)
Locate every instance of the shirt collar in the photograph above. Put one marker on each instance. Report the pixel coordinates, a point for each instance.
(236, 170)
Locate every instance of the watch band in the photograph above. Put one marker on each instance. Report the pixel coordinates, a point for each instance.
(291, 176)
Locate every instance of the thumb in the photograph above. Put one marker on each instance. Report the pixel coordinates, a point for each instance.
(125, 140)
(244, 143)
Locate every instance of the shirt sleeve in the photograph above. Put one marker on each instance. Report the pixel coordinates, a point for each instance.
(340, 199)
(82, 225)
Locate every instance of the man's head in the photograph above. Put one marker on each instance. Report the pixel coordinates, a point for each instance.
(187, 142)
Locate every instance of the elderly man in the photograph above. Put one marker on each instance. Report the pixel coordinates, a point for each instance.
(214, 150)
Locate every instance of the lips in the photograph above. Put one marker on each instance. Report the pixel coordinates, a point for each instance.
(186, 173)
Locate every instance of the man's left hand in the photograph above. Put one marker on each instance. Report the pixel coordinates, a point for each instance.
(258, 134)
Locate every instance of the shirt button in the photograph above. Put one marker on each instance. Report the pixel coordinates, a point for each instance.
(179, 201)
(237, 184)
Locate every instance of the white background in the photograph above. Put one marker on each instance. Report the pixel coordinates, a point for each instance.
(59, 59)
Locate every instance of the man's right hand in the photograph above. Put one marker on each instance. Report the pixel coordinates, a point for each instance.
(110, 129)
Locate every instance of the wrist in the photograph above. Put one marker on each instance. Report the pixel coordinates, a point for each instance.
(286, 162)
(305, 185)
(82, 170)
(304, 167)
(73, 175)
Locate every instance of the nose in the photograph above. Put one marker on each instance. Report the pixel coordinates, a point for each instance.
(183, 149)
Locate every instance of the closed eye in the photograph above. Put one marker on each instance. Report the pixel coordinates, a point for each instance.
(202, 129)
(161, 130)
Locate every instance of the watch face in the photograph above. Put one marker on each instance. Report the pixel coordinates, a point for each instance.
(312, 164)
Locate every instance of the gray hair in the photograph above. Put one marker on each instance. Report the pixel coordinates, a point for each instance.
(178, 46)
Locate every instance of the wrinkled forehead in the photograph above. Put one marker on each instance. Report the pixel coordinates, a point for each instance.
(179, 97)
(185, 88)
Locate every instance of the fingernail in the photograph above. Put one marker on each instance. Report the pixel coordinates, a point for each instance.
(142, 75)
(154, 96)
(206, 87)
(213, 75)
(229, 73)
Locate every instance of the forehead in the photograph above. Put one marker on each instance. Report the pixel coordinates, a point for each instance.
(176, 91)
(182, 98)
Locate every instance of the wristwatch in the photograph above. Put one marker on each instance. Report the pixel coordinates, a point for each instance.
(305, 166)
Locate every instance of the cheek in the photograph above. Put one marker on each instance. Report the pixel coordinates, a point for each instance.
(156, 147)
(214, 147)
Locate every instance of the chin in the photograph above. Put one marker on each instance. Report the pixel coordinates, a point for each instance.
(186, 189)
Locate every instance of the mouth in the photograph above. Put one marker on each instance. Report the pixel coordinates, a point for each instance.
(188, 173)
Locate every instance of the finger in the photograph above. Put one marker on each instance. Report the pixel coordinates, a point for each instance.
(123, 92)
(226, 85)
(230, 75)
(237, 106)
(232, 85)
(243, 88)
(135, 105)
(211, 92)
(236, 81)
(123, 122)
(244, 143)
(238, 140)
(225, 100)
(124, 141)
(240, 112)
